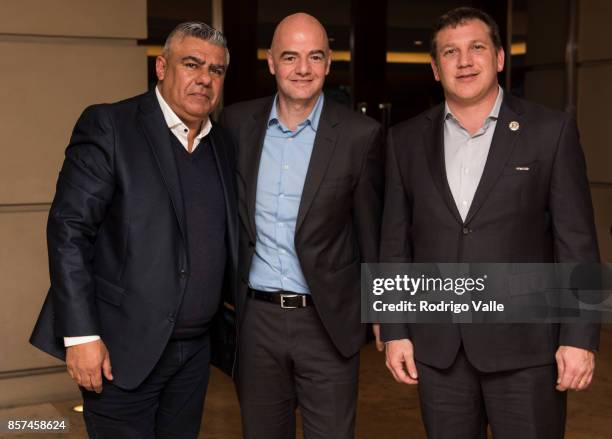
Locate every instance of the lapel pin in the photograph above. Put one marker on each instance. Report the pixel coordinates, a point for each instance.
(514, 125)
(522, 168)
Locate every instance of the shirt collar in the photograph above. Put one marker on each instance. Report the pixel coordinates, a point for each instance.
(312, 120)
(175, 123)
(493, 114)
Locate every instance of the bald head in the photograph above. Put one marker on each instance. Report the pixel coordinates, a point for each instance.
(301, 26)
(299, 58)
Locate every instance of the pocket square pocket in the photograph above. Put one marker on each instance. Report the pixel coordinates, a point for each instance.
(520, 168)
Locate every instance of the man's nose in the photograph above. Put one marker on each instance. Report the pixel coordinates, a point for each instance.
(465, 58)
(204, 78)
(303, 66)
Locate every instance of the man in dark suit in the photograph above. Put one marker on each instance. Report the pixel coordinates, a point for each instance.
(487, 177)
(141, 234)
(310, 197)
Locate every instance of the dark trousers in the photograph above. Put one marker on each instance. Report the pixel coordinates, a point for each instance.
(287, 360)
(168, 404)
(459, 402)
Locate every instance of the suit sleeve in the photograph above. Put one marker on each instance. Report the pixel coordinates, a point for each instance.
(368, 199)
(84, 190)
(573, 224)
(222, 118)
(224, 121)
(395, 241)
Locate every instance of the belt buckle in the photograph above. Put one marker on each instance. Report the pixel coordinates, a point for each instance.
(288, 296)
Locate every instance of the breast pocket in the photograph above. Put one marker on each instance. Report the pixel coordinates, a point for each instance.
(519, 185)
(334, 189)
(521, 169)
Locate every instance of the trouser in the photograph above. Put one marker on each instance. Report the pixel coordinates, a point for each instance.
(459, 402)
(168, 404)
(287, 360)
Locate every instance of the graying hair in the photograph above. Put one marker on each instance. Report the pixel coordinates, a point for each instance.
(197, 29)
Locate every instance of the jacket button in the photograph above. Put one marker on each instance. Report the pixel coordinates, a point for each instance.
(170, 317)
(251, 244)
(183, 274)
(467, 230)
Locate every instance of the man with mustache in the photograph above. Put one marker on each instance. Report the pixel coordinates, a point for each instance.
(142, 239)
(310, 185)
(487, 177)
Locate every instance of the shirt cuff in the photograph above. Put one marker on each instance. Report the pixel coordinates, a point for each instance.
(73, 341)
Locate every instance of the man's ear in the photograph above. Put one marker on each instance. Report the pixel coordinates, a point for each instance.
(270, 62)
(501, 57)
(434, 67)
(160, 67)
(328, 60)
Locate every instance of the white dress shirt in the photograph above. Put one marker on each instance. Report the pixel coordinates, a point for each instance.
(465, 156)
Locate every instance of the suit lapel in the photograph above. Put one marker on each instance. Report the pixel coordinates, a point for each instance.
(157, 135)
(323, 148)
(253, 138)
(433, 139)
(502, 145)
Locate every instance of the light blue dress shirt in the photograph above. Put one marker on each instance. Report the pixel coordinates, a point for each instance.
(282, 172)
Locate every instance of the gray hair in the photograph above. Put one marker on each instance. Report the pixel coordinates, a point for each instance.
(196, 29)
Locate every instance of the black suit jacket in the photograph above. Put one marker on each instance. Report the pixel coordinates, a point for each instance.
(116, 236)
(338, 222)
(540, 215)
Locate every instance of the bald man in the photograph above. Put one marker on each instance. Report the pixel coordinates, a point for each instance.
(310, 183)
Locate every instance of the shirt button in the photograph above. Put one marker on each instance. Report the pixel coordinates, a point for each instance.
(466, 170)
(280, 224)
(285, 167)
(464, 203)
(281, 196)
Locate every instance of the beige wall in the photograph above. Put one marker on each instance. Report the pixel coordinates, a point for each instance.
(545, 83)
(547, 25)
(57, 58)
(595, 111)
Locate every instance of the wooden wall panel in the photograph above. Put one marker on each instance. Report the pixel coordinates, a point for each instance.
(594, 114)
(602, 203)
(79, 18)
(50, 85)
(25, 281)
(595, 32)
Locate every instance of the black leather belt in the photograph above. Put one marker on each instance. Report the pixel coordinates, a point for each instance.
(286, 299)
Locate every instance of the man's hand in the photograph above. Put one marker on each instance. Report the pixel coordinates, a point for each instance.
(575, 367)
(400, 358)
(380, 346)
(84, 362)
